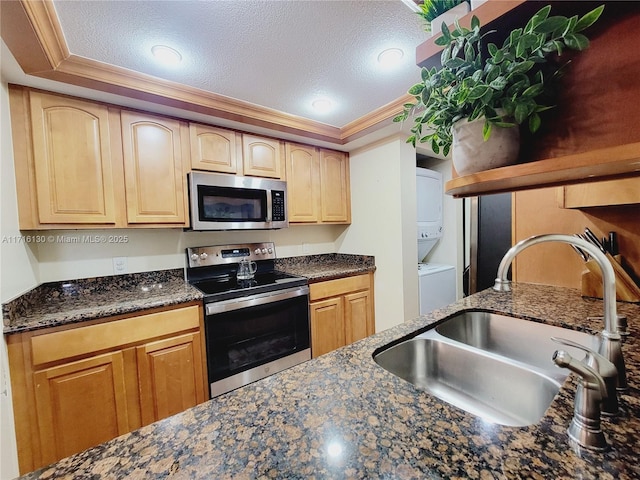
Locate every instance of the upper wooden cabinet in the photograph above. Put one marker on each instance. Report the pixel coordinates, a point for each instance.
(155, 151)
(262, 157)
(335, 192)
(215, 149)
(317, 185)
(303, 183)
(82, 164)
(72, 173)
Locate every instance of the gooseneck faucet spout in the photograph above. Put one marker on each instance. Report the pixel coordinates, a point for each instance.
(610, 346)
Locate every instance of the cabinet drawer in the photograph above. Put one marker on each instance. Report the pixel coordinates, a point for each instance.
(339, 286)
(52, 347)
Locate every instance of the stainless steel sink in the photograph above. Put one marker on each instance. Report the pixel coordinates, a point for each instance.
(520, 340)
(494, 366)
(490, 388)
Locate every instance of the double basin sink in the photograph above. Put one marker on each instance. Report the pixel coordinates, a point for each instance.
(497, 367)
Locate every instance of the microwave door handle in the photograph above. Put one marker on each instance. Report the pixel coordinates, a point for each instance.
(269, 206)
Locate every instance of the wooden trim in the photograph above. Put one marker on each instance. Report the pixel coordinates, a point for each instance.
(33, 34)
(47, 28)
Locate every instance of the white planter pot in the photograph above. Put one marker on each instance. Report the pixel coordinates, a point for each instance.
(449, 17)
(471, 154)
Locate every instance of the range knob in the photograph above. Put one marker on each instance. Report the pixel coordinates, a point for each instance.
(264, 251)
(257, 251)
(194, 256)
(203, 256)
(270, 250)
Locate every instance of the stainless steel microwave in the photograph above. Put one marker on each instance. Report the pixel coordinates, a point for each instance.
(228, 202)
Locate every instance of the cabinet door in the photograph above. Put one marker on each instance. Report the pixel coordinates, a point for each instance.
(213, 149)
(303, 183)
(327, 326)
(625, 191)
(335, 195)
(170, 375)
(262, 157)
(80, 404)
(155, 180)
(357, 316)
(74, 167)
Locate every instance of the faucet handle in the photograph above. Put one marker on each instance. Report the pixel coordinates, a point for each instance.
(606, 369)
(589, 377)
(584, 428)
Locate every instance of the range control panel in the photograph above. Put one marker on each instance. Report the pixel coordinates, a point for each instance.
(222, 254)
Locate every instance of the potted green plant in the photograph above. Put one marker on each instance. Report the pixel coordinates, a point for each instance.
(435, 12)
(494, 90)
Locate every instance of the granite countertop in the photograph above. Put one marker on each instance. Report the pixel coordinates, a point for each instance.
(58, 303)
(74, 301)
(329, 266)
(343, 416)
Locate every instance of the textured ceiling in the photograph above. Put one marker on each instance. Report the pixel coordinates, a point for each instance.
(278, 54)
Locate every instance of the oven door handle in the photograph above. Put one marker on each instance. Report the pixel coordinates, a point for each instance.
(255, 300)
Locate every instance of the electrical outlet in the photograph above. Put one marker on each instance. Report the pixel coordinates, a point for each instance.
(119, 265)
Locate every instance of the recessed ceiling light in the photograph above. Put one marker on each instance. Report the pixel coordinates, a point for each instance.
(322, 105)
(166, 55)
(390, 57)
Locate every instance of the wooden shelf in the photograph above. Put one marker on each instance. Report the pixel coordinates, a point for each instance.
(590, 135)
(612, 162)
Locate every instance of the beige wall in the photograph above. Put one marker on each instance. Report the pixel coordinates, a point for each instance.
(383, 199)
(19, 273)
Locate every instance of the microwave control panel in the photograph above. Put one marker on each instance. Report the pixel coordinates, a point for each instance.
(277, 205)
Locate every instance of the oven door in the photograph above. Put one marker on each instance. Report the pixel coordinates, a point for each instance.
(252, 337)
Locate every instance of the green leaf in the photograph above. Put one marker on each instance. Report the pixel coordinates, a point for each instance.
(499, 83)
(576, 41)
(533, 90)
(498, 57)
(424, 74)
(400, 118)
(455, 63)
(475, 22)
(416, 89)
(588, 19)
(542, 14)
(412, 140)
(441, 41)
(478, 91)
(486, 130)
(552, 24)
(521, 113)
(493, 49)
(534, 123)
(408, 106)
(434, 146)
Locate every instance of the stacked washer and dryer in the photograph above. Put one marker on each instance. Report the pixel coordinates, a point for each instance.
(436, 282)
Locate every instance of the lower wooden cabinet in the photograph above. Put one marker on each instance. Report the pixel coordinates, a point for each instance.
(74, 388)
(170, 374)
(342, 312)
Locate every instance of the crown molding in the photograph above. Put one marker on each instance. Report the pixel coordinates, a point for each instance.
(33, 33)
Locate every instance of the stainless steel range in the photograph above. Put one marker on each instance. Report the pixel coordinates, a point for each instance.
(254, 327)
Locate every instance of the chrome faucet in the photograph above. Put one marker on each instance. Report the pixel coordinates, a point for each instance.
(610, 343)
(584, 428)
